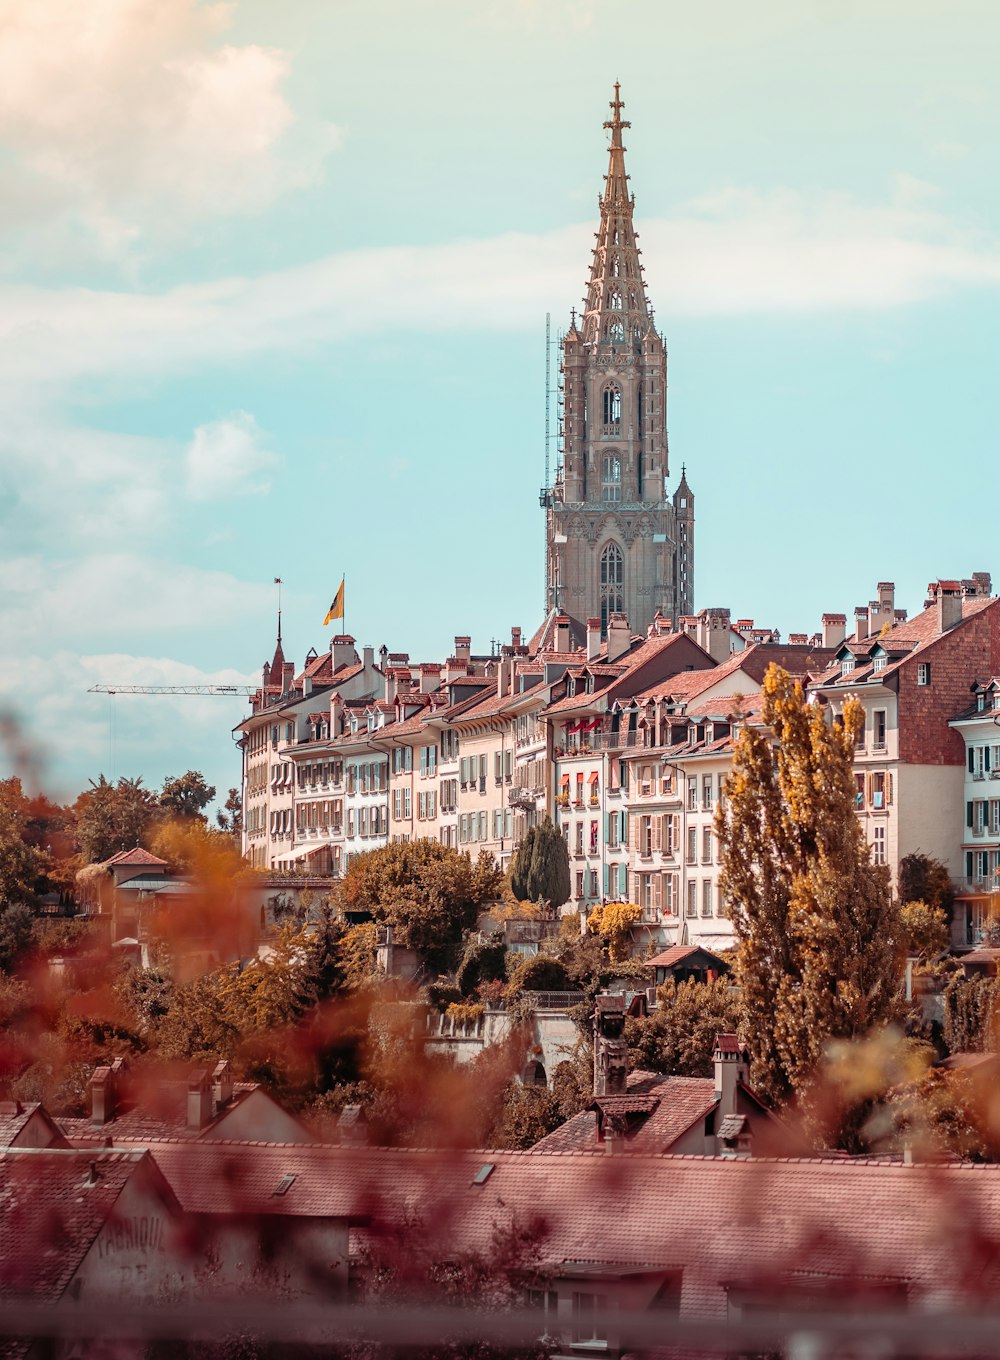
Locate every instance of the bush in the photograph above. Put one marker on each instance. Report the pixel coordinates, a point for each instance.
(542, 973)
(483, 962)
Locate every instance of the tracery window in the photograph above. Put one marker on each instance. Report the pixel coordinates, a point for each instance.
(612, 584)
(612, 409)
(616, 267)
(615, 300)
(616, 329)
(611, 478)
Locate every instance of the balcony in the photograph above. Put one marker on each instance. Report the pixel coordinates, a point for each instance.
(601, 741)
(982, 884)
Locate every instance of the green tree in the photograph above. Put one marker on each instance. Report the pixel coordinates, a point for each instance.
(679, 1036)
(527, 1114)
(229, 818)
(519, 872)
(20, 863)
(925, 879)
(430, 895)
(187, 796)
(16, 922)
(819, 945)
(323, 974)
(113, 817)
(925, 928)
(539, 869)
(549, 876)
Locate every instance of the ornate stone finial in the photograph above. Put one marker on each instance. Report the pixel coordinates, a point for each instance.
(616, 124)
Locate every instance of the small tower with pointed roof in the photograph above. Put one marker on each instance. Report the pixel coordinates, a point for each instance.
(614, 534)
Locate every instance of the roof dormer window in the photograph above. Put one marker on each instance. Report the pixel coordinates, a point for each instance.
(878, 662)
(846, 664)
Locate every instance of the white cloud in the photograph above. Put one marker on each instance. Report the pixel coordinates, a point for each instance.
(83, 599)
(225, 457)
(78, 483)
(123, 734)
(735, 251)
(130, 115)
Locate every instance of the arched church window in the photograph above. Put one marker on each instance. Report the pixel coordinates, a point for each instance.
(612, 584)
(614, 235)
(616, 267)
(637, 334)
(611, 478)
(616, 329)
(615, 300)
(613, 410)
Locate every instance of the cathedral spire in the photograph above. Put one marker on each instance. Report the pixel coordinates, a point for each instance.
(617, 309)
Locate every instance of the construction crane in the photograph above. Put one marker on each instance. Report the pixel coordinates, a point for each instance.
(226, 691)
(240, 690)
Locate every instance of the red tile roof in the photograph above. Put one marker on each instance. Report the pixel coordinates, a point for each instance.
(14, 1119)
(722, 1223)
(136, 856)
(918, 634)
(50, 1215)
(683, 1101)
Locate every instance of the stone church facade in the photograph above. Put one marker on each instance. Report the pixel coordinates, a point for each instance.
(617, 542)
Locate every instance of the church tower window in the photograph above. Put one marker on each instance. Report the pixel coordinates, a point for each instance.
(612, 410)
(611, 482)
(616, 267)
(615, 300)
(616, 329)
(612, 584)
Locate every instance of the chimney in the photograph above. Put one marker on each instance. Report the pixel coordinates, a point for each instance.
(562, 633)
(610, 1049)
(102, 1096)
(368, 657)
(342, 651)
(797, 639)
(352, 1126)
(307, 686)
(287, 676)
(515, 639)
(222, 1085)
(463, 648)
(430, 676)
(861, 622)
(732, 1067)
(834, 629)
(881, 612)
(505, 672)
(948, 598)
(619, 636)
(712, 633)
(199, 1099)
(593, 638)
(983, 582)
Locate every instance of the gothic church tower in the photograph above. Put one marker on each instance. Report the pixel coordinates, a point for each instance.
(616, 543)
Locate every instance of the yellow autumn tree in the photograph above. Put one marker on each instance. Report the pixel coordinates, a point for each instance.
(613, 923)
(818, 932)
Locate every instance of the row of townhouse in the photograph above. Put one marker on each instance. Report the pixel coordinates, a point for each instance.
(626, 742)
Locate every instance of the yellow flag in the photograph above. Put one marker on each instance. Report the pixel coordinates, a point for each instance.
(336, 610)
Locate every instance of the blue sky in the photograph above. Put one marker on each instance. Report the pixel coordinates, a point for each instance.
(273, 289)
